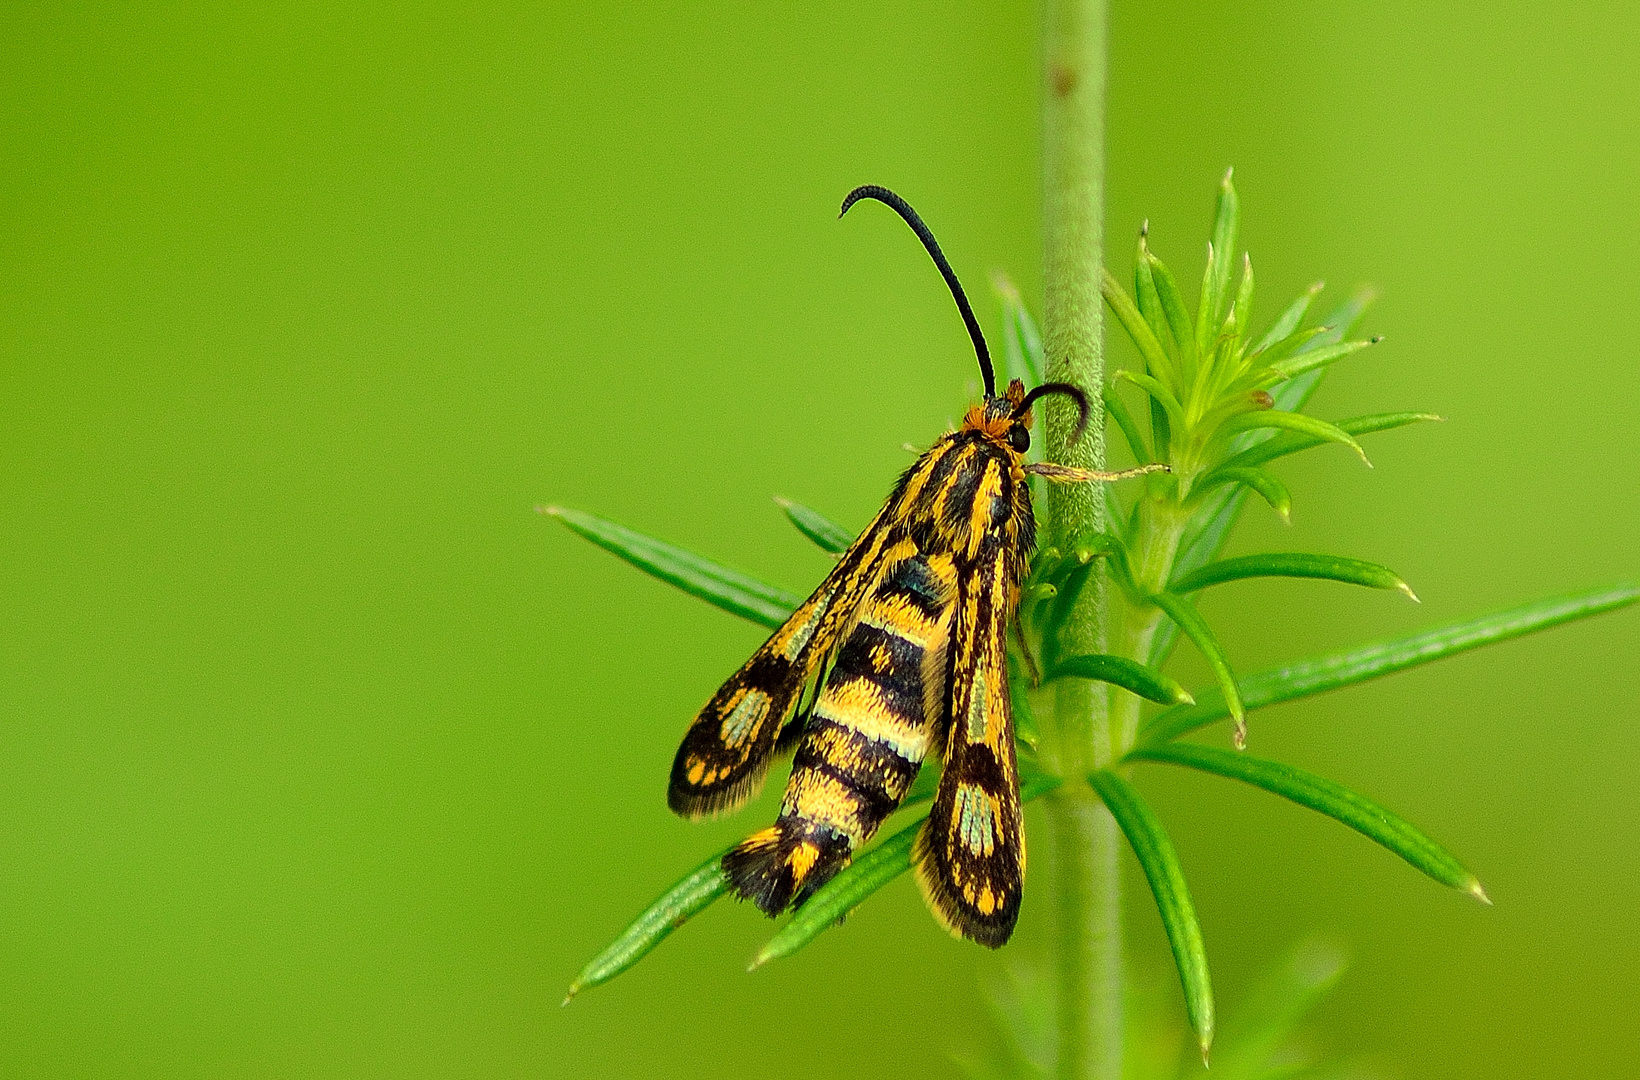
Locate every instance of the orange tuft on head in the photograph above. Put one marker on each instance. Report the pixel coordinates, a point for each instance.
(995, 417)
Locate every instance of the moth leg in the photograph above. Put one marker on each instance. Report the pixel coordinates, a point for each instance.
(1065, 474)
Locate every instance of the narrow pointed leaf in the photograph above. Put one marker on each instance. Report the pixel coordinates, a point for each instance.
(1158, 393)
(1335, 670)
(1144, 290)
(689, 897)
(1161, 431)
(1270, 1012)
(1030, 342)
(1293, 421)
(1216, 279)
(1124, 420)
(1243, 306)
(865, 875)
(1291, 564)
(1289, 319)
(923, 787)
(1263, 481)
(1130, 675)
(1194, 627)
(1144, 338)
(728, 589)
(1310, 359)
(1328, 797)
(1296, 342)
(1160, 863)
(1206, 324)
(1021, 343)
(816, 526)
(1291, 442)
(1173, 310)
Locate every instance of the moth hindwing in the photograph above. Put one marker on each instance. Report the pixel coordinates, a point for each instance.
(906, 638)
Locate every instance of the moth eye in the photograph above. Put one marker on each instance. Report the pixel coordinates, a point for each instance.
(1019, 438)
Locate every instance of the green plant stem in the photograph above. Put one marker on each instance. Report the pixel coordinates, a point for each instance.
(1087, 929)
(1087, 925)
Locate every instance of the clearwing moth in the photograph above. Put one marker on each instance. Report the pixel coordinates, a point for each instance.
(905, 640)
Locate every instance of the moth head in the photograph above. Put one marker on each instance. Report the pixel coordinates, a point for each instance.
(1006, 418)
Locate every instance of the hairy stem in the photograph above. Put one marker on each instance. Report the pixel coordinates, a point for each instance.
(1087, 926)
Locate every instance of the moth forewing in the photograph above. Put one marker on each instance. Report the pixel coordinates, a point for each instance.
(971, 851)
(726, 753)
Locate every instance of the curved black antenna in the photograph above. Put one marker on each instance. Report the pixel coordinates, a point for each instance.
(1073, 392)
(903, 208)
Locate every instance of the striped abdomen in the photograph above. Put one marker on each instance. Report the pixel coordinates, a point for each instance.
(875, 720)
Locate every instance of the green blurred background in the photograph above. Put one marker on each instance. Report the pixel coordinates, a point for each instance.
(322, 754)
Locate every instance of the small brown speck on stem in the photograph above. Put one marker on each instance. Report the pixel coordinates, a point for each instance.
(1062, 78)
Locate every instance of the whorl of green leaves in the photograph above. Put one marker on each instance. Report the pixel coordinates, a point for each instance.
(1221, 404)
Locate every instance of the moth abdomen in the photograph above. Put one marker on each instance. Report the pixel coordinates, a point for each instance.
(871, 726)
(782, 864)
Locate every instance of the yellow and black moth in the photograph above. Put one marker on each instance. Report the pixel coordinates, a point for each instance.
(905, 642)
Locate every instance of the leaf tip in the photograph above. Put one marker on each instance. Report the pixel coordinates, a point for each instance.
(1238, 736)
(1478, 892)
(1375, 339)
(550, 511)
(1181, 696)
(1407, 589)
(1144, 229)
(1228, 173)
(782, 502)
(574, 988)
(1315, 288)
(758, 961)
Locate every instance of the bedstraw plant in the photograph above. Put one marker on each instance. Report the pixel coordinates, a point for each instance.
(1219, 395)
